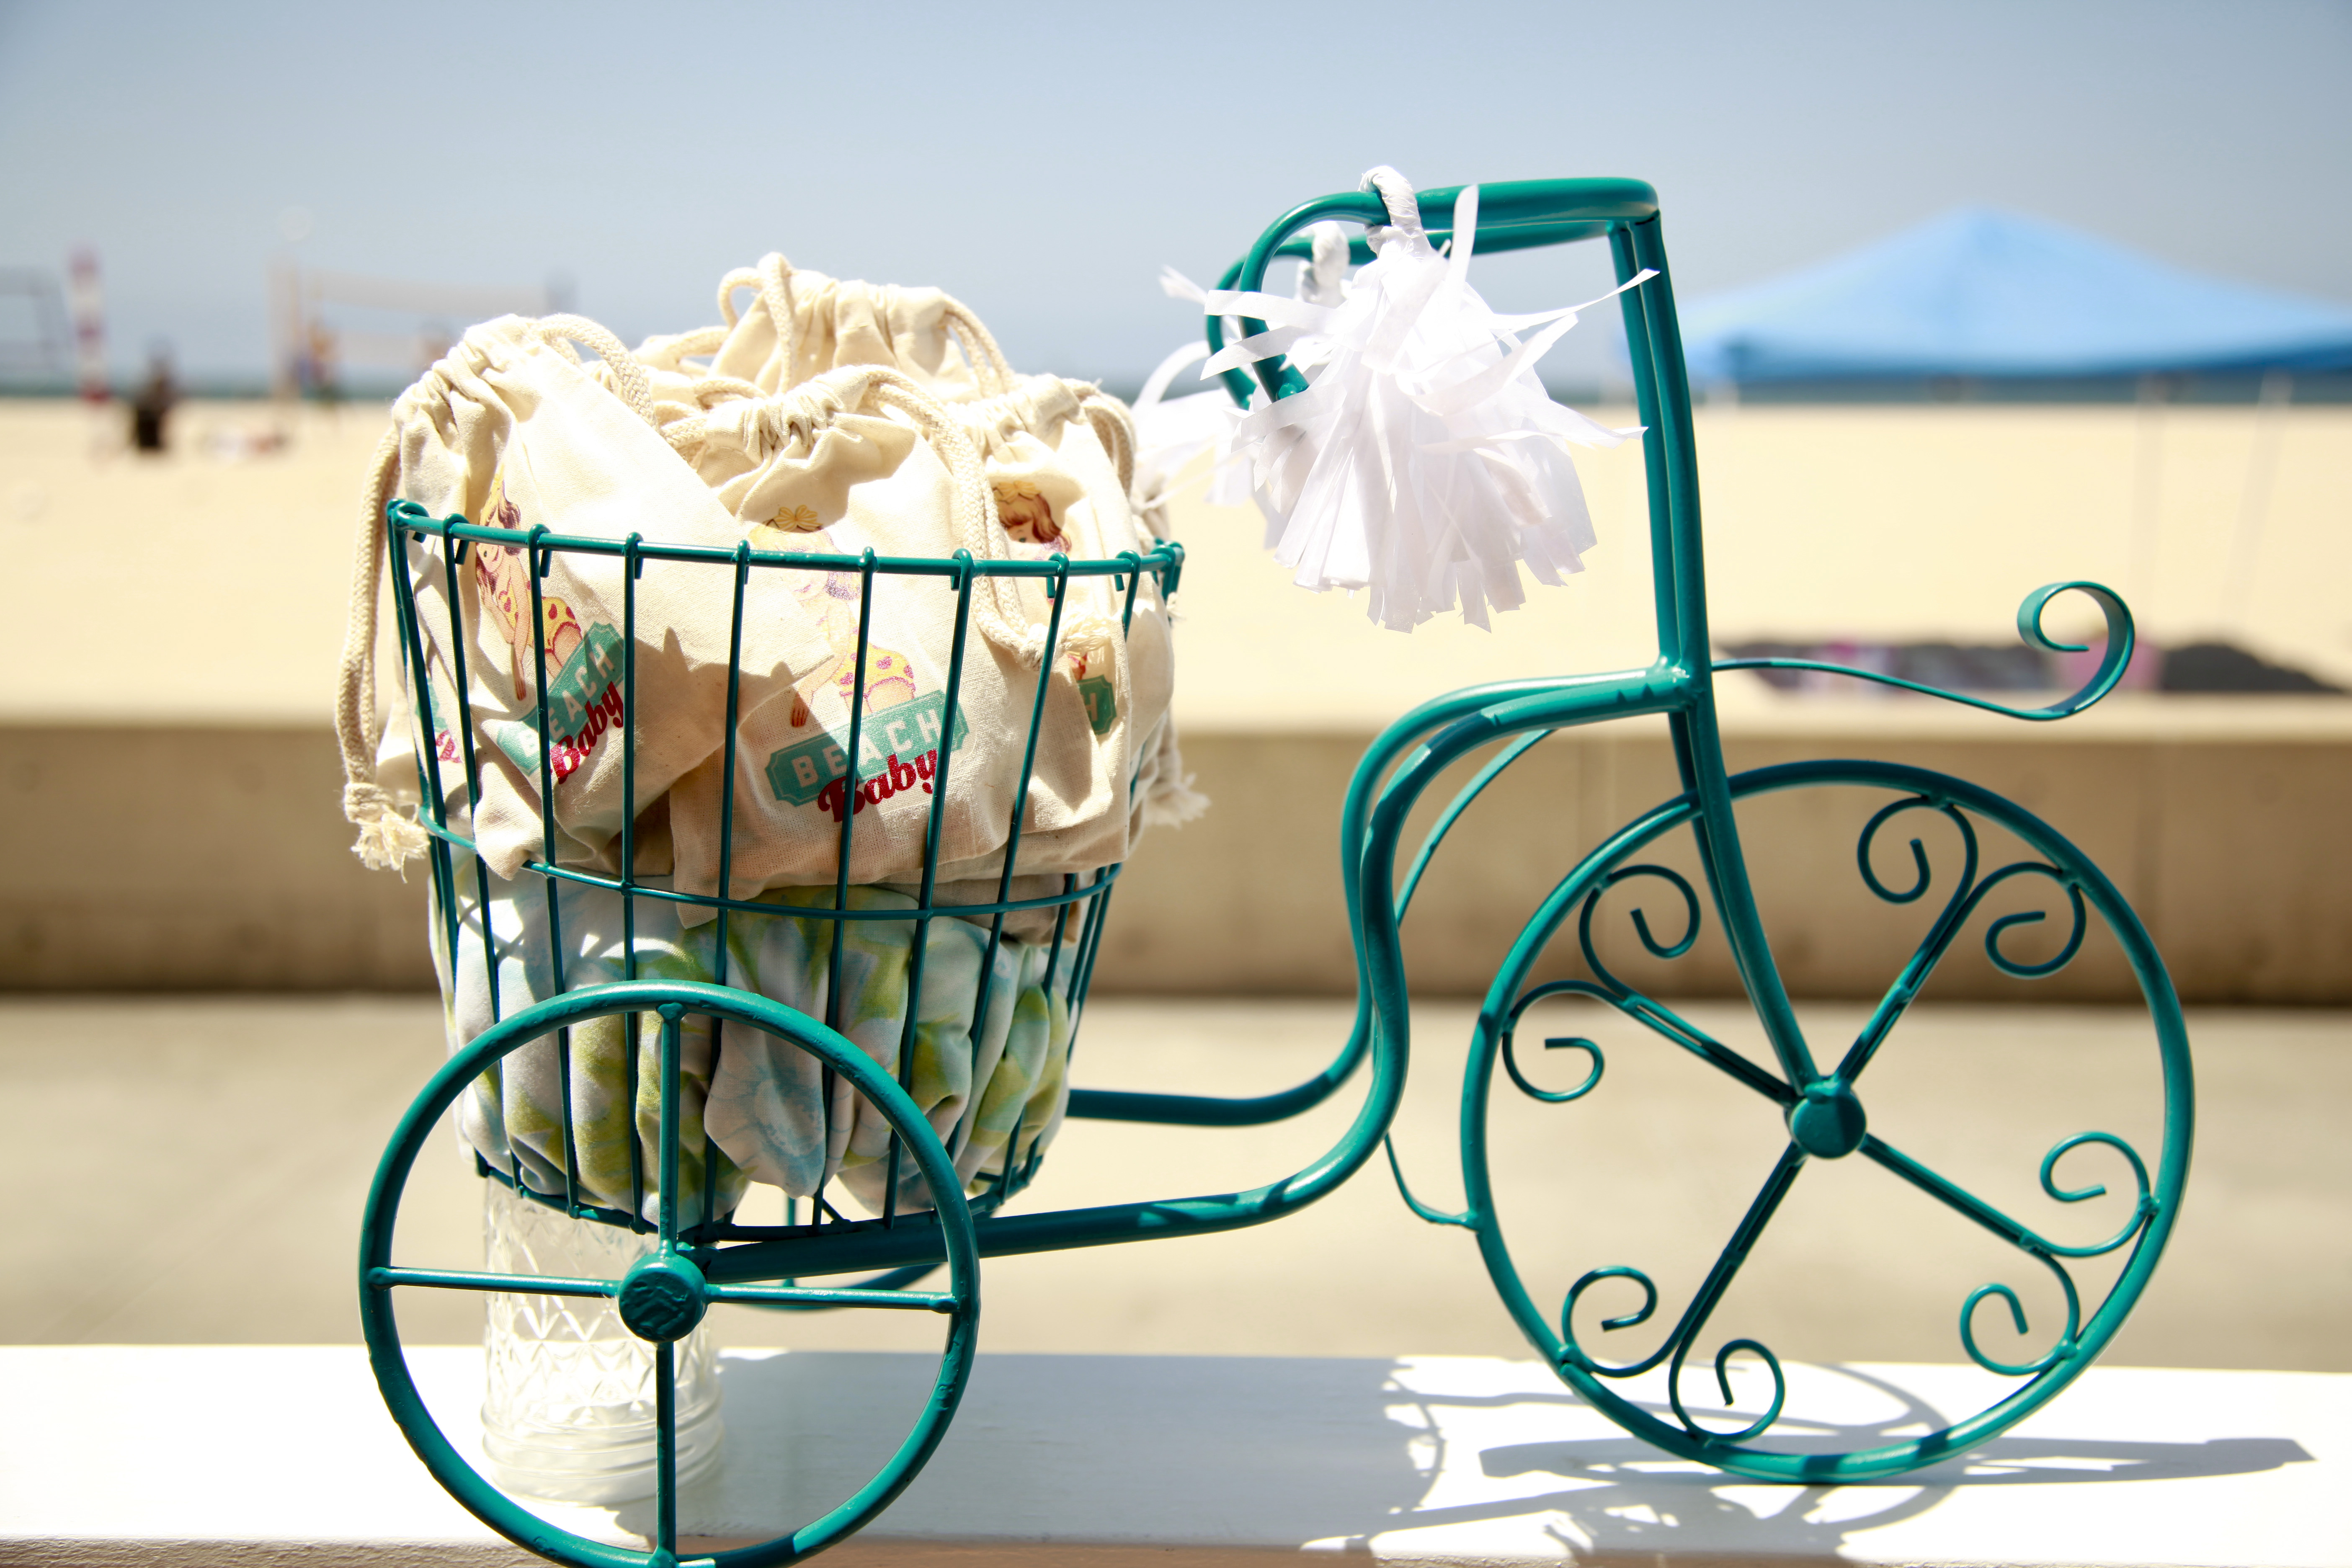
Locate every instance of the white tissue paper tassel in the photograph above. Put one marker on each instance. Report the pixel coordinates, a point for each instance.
(1424, 462)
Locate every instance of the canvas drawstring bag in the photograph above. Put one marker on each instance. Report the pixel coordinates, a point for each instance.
(508, 429)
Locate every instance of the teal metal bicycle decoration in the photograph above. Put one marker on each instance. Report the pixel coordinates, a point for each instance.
(1819, 1099)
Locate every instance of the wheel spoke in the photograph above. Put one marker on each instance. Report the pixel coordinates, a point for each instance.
(387, 1274)
(1939, 941)
(1710, 1292)
(1659, 1020)
(665, 1453)
(1954, 1196)
(1700, 1043)
(808, 1296)
(1938, 938)
(671, 1014)
(1743, 1241)
(1899, 996)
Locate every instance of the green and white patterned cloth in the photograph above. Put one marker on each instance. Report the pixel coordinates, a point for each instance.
(764, 1106)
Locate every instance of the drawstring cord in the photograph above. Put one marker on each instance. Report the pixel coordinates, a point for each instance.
(389, 838)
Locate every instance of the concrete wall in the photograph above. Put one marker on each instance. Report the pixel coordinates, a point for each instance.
(145, 857)
(151, 858)
(2235, 855)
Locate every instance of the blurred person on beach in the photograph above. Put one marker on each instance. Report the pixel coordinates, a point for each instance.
(151, 409)
(322, 373)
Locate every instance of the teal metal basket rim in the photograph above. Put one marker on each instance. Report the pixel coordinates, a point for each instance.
(1100, 880)
(1164, 559)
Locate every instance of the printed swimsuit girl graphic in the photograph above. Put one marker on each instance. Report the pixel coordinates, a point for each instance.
(1027, 515)
(502, 577)
(831, 596)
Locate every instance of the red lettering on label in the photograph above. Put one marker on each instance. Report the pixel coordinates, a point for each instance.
(571, 750)
(895, 776)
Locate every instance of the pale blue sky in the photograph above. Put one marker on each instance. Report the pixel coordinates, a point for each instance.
(1042, 163)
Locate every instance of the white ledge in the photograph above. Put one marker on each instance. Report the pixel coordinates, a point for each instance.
(262, 1455)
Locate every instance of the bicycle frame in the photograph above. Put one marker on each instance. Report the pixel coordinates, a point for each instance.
(1819, 1103)
(1407, 757)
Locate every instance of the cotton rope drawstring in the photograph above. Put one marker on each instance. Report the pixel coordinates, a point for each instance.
(768, 423)
(711, 388)
(629, 379)
(388, 838)
(776, 293)
(741, 277)
(772, 279)
(992, 423)
(708, 390)
(990, 368)
(1114, 426)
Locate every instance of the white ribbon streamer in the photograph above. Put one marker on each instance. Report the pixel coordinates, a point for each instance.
(1250, 350)
(1172, 432)
(1424, 462)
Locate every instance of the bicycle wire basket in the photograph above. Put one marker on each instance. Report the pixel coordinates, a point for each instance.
(1065, 922)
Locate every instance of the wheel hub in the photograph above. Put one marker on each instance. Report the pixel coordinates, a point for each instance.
(662, 1298)
(1828, 1122)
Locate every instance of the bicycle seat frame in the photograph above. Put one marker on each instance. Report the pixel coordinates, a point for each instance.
(1678, 685)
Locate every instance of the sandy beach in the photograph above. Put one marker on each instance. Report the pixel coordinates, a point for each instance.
(211, 584)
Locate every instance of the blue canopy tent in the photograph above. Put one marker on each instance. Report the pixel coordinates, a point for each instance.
(1994, 296)
(1977, 293)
